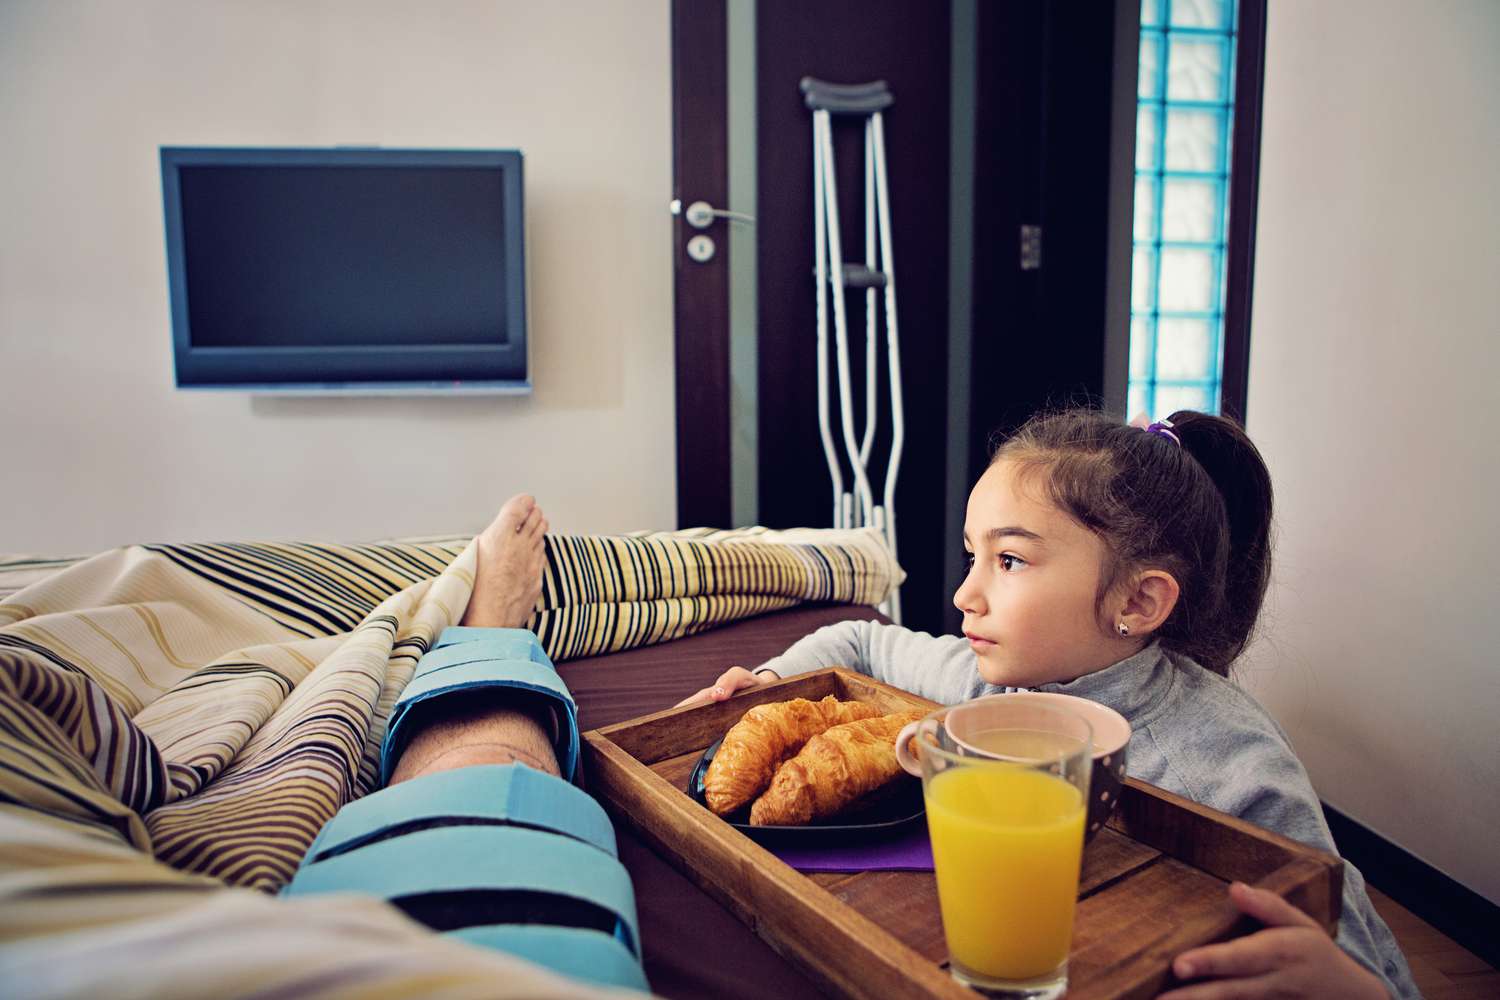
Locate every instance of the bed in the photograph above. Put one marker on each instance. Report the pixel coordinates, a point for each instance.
(193, 714)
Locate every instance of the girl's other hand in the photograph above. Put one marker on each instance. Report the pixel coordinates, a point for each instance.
(730, 681)
(1292, 957)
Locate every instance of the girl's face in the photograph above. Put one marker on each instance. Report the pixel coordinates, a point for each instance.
(1028, 601)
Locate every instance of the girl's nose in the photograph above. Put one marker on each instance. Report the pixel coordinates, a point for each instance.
(967, 597)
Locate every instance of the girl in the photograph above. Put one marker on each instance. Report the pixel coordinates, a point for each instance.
(1127, 564)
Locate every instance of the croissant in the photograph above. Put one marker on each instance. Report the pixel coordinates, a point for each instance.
(763, 738)
(833, 770)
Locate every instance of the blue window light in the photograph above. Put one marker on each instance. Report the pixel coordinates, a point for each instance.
(1185, 107)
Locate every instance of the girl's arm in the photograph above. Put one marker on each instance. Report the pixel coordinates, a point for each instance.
(937, 667)
(1293, 957)
(1294, 810)
(1268, 786)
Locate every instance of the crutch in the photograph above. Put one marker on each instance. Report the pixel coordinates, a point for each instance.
(863, 102)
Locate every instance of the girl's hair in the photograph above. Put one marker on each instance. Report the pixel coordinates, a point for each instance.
(1200, 511)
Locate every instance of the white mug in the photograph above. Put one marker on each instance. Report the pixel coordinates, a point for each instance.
(962, 721)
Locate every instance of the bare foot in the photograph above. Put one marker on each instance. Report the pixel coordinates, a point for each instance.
(508, 578)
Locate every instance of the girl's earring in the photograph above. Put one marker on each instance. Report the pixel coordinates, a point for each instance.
(1123, 629)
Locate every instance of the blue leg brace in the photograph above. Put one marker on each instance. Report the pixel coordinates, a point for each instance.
(501, 856)
(473, 659)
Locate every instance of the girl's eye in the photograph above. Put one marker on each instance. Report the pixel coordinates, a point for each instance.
(968, 560)
(1011, 563)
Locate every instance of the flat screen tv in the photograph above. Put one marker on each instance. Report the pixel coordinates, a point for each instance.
(323, 270)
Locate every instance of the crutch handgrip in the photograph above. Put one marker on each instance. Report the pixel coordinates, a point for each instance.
(846, 98)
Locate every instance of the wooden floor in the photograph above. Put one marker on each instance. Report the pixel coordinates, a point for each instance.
(1443, 970)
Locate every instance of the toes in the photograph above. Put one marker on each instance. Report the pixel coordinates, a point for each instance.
(533, 518)
(534, 528)
(515, 511)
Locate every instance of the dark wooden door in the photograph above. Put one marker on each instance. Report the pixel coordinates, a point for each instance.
(855, 41)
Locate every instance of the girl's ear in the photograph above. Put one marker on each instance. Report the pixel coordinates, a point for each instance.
(1149, 600)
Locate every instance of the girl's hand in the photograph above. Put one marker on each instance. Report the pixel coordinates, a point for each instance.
(730, 681)
(1293, 957)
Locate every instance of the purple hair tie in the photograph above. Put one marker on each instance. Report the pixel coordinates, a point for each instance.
(1162, 427)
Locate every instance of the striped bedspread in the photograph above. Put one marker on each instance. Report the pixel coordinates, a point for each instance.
(175, 719)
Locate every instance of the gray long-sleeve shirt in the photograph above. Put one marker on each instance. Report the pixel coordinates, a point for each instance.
(1186, 723)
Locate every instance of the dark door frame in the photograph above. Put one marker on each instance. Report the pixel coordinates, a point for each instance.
(700, 171)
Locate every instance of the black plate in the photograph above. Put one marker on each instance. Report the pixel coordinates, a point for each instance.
(886, 811)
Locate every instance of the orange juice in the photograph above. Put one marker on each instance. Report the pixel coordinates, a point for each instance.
(1007, 842)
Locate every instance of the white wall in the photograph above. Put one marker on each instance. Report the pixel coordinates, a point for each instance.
(99, 449)
(1374, 384)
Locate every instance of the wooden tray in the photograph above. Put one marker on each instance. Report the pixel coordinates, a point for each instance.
(1153, 881)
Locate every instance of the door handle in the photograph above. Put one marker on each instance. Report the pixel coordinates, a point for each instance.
(700, 214)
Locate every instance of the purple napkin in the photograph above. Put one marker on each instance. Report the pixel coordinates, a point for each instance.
(909, 850)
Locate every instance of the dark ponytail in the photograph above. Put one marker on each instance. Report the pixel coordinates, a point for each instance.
(1232, 461)
(1201, 510)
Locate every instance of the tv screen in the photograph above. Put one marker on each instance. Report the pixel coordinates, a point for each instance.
(337, 269)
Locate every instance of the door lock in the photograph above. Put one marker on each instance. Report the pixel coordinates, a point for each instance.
(701, 248)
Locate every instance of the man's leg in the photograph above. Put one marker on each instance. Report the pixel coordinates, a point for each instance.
(500, 728)
(477, 833)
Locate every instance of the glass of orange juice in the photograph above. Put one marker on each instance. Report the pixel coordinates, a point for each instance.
(1006, 788)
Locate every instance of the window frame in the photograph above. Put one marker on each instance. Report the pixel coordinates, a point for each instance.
(1234, 243)
(1244, 196)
